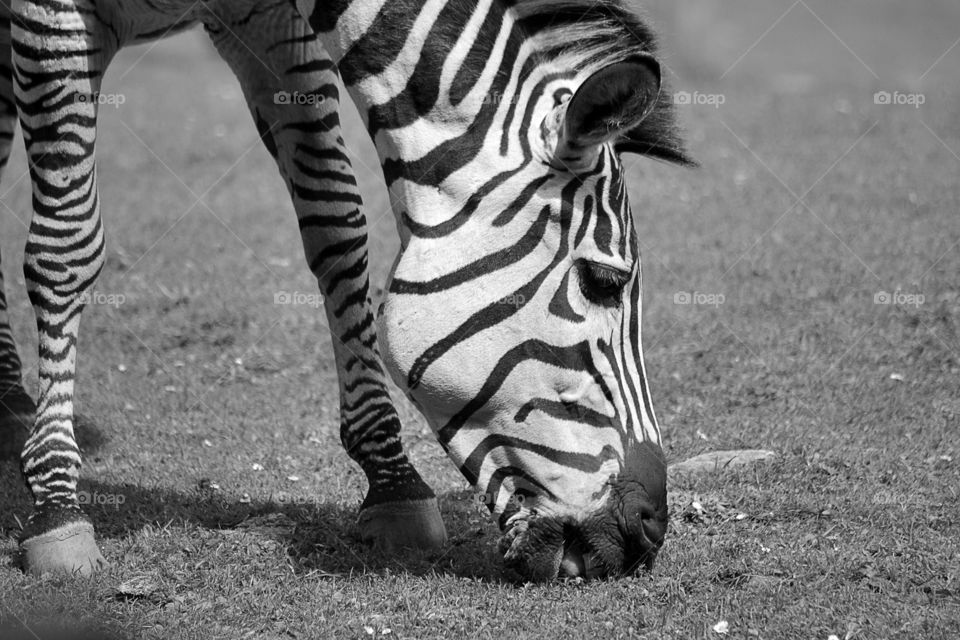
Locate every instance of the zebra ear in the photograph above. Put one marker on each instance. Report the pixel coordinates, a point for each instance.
(609, 103)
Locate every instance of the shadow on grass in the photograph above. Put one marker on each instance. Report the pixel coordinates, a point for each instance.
(11, 629)
(13, 434)
(334, 546)
(320, 538)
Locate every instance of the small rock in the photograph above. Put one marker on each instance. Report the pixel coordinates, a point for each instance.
(719, 460)
(722, 627)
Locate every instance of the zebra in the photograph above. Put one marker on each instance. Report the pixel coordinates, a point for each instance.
(512, 318)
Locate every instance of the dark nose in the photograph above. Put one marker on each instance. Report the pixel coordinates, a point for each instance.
(628, 533)
(613, 546)
(641, 499)
(623, 536)
(642, 541)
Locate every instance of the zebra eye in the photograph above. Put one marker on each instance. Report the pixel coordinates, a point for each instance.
(601, 284)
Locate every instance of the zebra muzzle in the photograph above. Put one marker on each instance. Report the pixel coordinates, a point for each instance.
(619, 537)
(544, 549)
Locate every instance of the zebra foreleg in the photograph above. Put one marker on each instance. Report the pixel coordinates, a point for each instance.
(60, 54)
(17, 411)
(291, 86)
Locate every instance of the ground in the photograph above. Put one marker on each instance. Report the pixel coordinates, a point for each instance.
(213, 468)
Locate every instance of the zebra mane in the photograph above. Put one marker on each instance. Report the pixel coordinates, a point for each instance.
(592, 34)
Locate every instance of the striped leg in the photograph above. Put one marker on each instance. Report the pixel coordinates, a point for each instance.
(301, 128)
(60, 54)
(16, 407)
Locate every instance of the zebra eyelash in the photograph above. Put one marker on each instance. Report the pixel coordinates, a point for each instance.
(601, 284)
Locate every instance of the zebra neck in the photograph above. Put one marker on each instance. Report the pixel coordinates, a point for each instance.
(441, 85)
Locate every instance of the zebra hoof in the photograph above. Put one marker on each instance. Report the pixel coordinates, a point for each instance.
(406, 524)
(70, 549)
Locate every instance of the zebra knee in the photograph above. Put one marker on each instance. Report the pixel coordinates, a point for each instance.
(58, 284)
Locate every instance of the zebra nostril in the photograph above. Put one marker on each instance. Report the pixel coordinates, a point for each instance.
(654, 526)
(645, 541)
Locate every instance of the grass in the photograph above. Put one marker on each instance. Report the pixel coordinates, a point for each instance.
(853, 531)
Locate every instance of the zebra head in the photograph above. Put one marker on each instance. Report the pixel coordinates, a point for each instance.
(513, 314)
